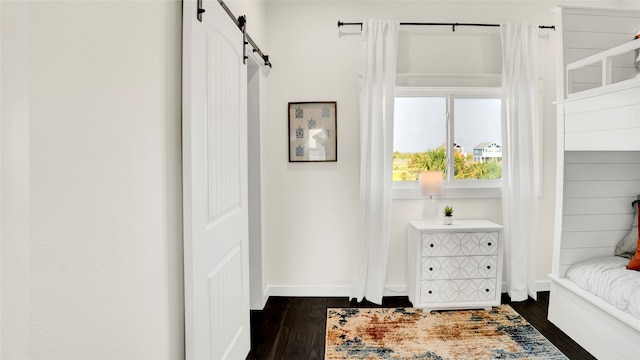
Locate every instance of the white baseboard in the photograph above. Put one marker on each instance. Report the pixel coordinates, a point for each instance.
(395, 290)
(324, 290)
(327, 290)
(343, 290)
(543, 285)
(261, 302)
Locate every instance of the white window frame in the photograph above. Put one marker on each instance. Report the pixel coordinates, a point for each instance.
(453, 188)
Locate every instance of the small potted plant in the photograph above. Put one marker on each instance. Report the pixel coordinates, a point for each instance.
(448, 215)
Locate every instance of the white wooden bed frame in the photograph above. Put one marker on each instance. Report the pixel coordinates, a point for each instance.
(599, 122)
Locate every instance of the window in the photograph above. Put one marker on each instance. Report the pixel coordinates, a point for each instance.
(457, 131)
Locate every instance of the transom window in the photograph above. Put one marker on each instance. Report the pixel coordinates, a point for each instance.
(457, 131)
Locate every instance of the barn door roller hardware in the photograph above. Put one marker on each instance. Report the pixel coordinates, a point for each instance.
(241, 23)
(200, 11)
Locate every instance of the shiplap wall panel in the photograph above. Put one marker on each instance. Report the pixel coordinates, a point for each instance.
(597, 211)
(602, 171)
(622, 98)
(595, 205)
(593, 239)
(594, 41)
(605, 122)
(590, 77)
(598, 21)
(616, 189)
(589, 31)
(627, 139)
(602, 157)
(582, 86)
(596, 222)
(575, 54)
(572, 256)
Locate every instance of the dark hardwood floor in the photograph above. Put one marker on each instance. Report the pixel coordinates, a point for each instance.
(293, 328)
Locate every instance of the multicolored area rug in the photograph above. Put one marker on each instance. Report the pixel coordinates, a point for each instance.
(407, 333)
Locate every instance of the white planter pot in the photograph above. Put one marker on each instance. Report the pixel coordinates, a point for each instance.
(448, 220)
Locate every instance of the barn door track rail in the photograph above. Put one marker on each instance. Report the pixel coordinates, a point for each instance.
(241, 23)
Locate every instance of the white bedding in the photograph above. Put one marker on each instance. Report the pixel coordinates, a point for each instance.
(608, 279)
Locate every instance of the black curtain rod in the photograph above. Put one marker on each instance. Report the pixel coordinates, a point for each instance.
(453, 25)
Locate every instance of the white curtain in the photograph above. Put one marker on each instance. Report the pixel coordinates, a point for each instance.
(379, 54)
(520, 155)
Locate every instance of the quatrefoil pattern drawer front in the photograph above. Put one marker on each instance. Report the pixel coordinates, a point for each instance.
(439, 291)
(459, 244)
(459, 267)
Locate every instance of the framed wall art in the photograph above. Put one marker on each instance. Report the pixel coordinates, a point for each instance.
(313, 131)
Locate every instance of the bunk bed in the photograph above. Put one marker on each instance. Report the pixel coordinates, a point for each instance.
(598, 177)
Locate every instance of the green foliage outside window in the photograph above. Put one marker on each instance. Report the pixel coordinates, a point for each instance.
(407, 166)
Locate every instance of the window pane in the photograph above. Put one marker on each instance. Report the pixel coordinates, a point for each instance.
(477, 138)
(420, 135)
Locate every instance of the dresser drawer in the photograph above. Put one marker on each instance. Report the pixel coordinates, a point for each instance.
(462, 290)
(459, 244)
(459, 267)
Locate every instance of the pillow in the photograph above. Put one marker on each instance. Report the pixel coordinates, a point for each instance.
(629, 244)
(634, 264)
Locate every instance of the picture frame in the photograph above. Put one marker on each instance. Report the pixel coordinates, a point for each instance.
(313, 135)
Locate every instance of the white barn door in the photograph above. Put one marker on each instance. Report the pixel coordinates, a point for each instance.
(215, 185)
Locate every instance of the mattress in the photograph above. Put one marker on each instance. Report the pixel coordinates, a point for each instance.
(608, 278)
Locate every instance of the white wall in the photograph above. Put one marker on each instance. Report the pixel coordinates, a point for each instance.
(105, 180)
(15, 251)
(311, 209)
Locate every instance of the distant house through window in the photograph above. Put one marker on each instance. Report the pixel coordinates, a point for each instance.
(485, 152)
(457, 131)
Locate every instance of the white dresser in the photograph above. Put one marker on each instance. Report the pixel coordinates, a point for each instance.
(456, 266)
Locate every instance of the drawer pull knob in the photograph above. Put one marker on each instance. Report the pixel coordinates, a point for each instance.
(488, 266)
(489, 244)
(430, 269)
(430, 245)
(487, 290)
(430, 292)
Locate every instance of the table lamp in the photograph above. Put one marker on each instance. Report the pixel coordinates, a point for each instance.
(430, 185)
